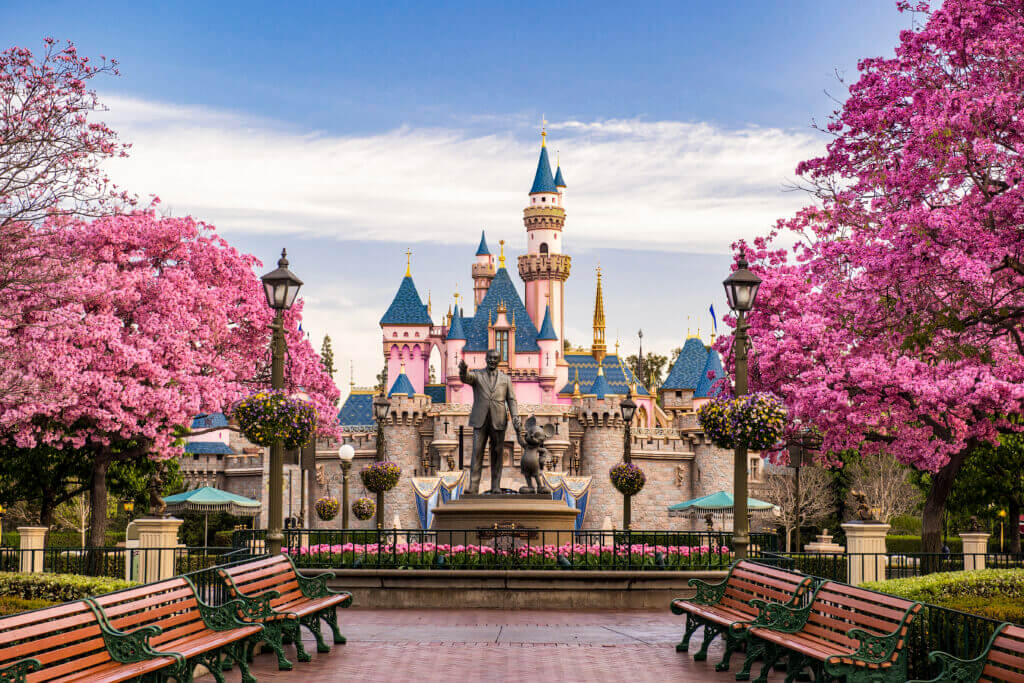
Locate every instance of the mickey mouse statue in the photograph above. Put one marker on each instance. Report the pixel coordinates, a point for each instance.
(532, 440)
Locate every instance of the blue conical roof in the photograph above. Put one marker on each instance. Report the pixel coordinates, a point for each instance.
(456, 331)
(686, 372)
(706, 387)
(482, 250)
(501, 292)
(402, 385)
(559, 180)
(600, 387)
(542, 181)
(406, 308)
(547, 330)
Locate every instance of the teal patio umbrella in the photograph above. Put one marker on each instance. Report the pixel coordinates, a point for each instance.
(207, 499)
(718, 504)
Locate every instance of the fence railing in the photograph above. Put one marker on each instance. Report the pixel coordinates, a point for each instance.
(882, 566)
(114, 562)
(503, 548)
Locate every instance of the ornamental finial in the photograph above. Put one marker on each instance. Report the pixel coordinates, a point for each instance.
(408, 262)
(543, 131)
(501, 258)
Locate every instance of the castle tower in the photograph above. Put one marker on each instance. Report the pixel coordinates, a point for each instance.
(544, 268)
(599, 350)
(483, 271)
(405, 329)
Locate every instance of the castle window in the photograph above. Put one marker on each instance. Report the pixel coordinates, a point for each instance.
(543, 247)
(501, 341)
(543, 199)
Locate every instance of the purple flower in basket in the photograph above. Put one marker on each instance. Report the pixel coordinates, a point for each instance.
(627, 478)
(380, 476)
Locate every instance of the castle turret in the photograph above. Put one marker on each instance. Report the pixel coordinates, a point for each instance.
(544, 268)
(455, 344)
(483, 270)
(548, 342)
(405, 328)
(599, 349)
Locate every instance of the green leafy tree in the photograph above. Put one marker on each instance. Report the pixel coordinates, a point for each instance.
(992, 479)
(651, 373)
(327, 355)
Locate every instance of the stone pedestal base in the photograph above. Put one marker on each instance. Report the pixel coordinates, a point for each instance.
(823, 544)
(506, 520)
(865, 542)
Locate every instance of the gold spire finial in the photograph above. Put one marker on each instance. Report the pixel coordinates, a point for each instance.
(408, 262)
(543, 131)
(403, 367)
(351, 374)
(599, 349)
(501, 258)
(688, 335)
(576, 385)
(428, 302)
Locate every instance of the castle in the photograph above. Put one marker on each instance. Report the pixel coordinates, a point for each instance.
(577, 391)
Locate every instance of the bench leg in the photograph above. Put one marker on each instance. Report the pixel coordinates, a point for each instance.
(732, 643)
(312, 622)
(293, 631)
(331, 617)
(771, 655)
(795, 667)
(691, 626)
(273, 634)
(237, 652)
(710, 631)
(755, 648)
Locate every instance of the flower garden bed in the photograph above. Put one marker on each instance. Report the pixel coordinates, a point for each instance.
(568, 556)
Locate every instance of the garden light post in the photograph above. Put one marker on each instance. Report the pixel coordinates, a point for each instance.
(381, 405)
(281, 288)
(741, 291)
(129, 508)
(345, 454)
(628, 408)
(1002, 518)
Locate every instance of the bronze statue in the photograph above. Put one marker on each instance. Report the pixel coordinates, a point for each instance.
(863, 509)
(534, 455)
(492, 396)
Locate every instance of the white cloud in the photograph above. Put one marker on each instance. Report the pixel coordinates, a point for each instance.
(671, 185)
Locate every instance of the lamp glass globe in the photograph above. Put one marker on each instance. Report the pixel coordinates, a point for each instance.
(346, 453)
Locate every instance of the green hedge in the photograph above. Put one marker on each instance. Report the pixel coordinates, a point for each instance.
(62, 539)
(13, 605)
(993, 593)
(57, 587)
(222, 539)
(912, 544)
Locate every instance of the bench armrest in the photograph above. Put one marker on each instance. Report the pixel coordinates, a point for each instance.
(256, 607)
(129, 647)
(17, 672)
(779, 617)
(707, 593)
(316, 586)
(956, 669)
(225, 617)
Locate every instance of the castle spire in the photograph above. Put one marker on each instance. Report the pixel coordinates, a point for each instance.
(599, 350)
(408, 262)
(501, 258)
(543, 131)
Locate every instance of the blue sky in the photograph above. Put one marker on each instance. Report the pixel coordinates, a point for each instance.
(351, 131)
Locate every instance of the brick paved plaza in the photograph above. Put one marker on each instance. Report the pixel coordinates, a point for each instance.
(499, 646)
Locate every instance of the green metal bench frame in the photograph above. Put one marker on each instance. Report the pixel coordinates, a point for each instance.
(134, 646)
(873, 649)
(735, 634)
(278, 626)
(962, 670)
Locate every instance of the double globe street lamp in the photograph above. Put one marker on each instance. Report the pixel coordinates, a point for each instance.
(741, 292)
(281, 288)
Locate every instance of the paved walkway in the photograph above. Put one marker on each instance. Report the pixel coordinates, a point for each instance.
(498, 646)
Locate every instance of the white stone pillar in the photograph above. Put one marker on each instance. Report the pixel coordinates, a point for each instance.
(975, 547)
(865, 547)
(33, 540)
(158, 539)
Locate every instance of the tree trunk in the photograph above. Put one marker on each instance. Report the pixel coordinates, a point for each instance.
(98, 501)
(1013, 520)
(935, 502)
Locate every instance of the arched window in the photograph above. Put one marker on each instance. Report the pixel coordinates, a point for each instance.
(543, 247)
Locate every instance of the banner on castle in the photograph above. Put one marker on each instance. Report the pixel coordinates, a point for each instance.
(432, 491)
(575, 491)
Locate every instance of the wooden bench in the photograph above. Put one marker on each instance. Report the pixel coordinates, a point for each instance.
(180, 623)
(724, 607)
(293, 600)
(70, 642)
(1001, 660)
(844, 632)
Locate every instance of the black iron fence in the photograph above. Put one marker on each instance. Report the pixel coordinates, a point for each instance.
(846, 566)
(503, 548)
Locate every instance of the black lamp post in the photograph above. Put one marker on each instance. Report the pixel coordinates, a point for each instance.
(800, 447)
(345, 454)
(281, 288)
(628, 408)
(381, 406)
(741, 291)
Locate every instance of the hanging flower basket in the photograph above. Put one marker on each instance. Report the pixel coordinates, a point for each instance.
(758, 420)
(326, 508)
(379, 477)
(627, 478)
(270, 416)
(364, 509)
(755, 421)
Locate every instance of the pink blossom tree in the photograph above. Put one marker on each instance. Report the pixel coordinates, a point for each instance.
(894, 322)
(162, 321)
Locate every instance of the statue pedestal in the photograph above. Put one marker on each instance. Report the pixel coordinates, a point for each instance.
(823, 544)
(505, 521)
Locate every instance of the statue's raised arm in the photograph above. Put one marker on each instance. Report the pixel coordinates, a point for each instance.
(465, 376)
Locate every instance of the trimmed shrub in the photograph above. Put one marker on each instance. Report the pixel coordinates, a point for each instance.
(62, 539)
(57, 587)
(13, 605)
(912, 544)
(909, 525)
(993, 593)
(223, 539)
